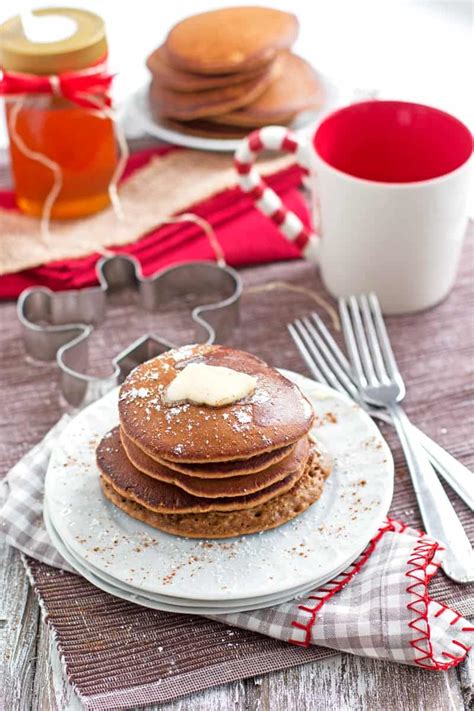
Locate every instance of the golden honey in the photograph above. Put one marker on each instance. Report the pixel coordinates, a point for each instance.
(56, 143)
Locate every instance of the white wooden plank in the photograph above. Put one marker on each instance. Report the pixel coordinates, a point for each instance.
(342, 683)
(19, 614)
(466, 681)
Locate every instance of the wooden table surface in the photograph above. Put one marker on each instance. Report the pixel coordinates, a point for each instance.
(31, 675)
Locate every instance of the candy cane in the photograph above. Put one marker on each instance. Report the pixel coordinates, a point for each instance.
(275, 138)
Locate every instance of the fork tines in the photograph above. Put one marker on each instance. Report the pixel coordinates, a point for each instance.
(367, 340)
(321, 353)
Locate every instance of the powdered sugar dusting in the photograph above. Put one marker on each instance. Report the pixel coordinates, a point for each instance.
(135, 393)
(260, 397)
(173, 412)
(243, 416)
(243, 419)
(182, 353)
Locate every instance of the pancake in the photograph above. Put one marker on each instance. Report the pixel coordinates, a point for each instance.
(241, 125)
(274, 416)
(179, 80)
(230, 40)
(212, 470)
(271, 514)
(162, 497)
(214, 488)
(198, 104)
(201, 127)
(296, 88)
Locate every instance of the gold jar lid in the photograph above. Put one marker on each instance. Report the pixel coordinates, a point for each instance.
(85, 46)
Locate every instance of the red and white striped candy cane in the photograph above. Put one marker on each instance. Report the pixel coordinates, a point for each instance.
(275, 138)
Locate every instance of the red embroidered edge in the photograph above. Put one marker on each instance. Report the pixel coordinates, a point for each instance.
(338, 583)
(421, 559)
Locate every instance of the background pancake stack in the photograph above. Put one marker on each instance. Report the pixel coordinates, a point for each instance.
(211, 472)
(221, 73)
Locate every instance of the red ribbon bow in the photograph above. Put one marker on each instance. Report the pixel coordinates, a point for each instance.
(87, 88)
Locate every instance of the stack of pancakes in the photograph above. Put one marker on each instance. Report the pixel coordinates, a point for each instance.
(222, 73)
(211, 472)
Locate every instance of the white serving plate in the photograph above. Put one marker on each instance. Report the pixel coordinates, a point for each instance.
(166, 602)
(163, 603)
(330, 534)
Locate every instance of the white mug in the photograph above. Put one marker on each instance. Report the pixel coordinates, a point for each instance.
(390, 183)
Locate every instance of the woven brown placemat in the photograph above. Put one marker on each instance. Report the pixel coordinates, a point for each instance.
(119, 655)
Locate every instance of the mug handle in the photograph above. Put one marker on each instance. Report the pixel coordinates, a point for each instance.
(275, 138)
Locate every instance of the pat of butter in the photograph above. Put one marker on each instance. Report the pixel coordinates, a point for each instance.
(210, 385)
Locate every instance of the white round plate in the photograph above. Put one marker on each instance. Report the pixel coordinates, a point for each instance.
(136, 113)
(324, 538)
(134, 594)
(156, 602)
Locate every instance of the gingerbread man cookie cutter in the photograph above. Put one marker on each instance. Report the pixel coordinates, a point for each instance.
(57, 325)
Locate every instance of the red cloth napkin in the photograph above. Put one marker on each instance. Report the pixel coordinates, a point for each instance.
(246, 236)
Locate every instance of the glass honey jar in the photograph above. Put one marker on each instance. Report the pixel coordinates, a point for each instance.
(62, 143)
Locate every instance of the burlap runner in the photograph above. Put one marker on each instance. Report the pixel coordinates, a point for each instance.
(119, 655)
(165, 186)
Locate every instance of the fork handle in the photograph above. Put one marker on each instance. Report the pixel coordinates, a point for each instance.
(439, 517)
(455, 474)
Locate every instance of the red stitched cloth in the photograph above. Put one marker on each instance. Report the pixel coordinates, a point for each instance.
(246, 236)
(378, 607)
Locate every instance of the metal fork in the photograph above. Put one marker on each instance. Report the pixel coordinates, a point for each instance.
(328, 364)
(380, 382)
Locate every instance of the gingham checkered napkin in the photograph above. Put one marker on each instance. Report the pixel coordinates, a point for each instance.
(379, 607)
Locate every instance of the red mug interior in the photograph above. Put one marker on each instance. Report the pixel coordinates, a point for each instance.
(393, 141)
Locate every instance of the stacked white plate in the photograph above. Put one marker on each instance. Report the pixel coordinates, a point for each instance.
(133, 561)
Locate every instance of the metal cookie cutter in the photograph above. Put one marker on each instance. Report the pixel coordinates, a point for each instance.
(58, 324)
